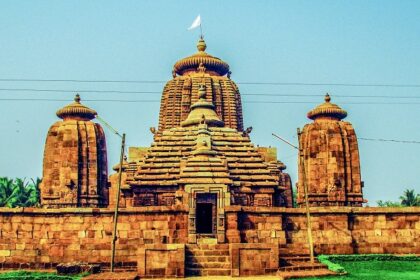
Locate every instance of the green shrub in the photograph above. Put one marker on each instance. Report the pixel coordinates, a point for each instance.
(29, 275)
(19, 192)
(332, 260)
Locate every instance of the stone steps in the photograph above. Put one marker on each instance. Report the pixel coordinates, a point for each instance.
(210, 265)
(207, 260)
(113, 276)
(207, 272)
(191, 259)
(303, 266)
(305, 274)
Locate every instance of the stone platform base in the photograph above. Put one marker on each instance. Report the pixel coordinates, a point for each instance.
(305, 273)
(113, 276)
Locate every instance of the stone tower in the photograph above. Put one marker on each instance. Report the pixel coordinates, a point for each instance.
(331, 162)
(75, 161)
(182, 91)
(201, 158)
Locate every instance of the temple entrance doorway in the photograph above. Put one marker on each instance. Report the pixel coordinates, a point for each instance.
(206, 213)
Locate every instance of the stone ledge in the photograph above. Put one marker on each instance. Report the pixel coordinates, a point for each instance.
(322, 210)
(92, 211)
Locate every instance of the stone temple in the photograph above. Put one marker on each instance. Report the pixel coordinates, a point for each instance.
(201, 157)
(331, 159)
(75, 170)
(202, 199)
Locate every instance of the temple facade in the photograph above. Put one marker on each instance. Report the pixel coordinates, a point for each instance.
(329, 159)
(75, 160)
(201, 157)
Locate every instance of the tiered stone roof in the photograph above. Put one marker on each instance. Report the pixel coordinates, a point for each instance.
(205, 152)
(162, 164)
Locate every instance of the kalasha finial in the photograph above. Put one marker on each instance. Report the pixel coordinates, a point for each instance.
(77, 98)
(327, 98)
(201, 45)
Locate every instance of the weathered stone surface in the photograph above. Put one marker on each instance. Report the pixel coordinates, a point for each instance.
(182, 91)
(161, 260)
(63, 238)
(75, 160)
(202, 151)
(254, 259)
(329, 159)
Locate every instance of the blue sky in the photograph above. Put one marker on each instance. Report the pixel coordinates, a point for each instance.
(328, 42)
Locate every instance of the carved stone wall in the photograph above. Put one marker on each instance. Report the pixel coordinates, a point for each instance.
(330, 155)
(75, 161)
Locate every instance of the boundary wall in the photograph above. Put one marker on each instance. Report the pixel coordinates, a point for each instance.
(42, 238)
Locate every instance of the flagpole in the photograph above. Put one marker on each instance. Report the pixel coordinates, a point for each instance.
(201, 32)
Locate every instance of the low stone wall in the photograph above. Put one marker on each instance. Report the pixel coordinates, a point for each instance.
(254, 259)
(41, 238)
(161, 260)
(336, 230)
(31, 237)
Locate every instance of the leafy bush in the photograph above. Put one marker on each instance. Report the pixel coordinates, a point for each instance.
(19, 192)
(331, 260)
(28, 275)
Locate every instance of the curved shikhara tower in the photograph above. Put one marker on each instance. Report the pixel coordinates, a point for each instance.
(75, 161)
(331, 161)
(182, 91)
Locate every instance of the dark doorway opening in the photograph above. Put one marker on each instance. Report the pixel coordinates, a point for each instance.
(204, 218)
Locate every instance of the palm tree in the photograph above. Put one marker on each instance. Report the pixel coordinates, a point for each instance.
(409, 198)
(18, 192)
(6, 190)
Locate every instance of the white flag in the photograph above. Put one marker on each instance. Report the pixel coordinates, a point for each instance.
(196, 23)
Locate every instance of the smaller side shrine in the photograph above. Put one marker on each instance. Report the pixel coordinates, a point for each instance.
(330, 154)
(75, 160)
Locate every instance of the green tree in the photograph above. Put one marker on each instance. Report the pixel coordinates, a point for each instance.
(19, 192)
(409, 198)
(388, 203)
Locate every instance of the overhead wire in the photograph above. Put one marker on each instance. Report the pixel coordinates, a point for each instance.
(243, 82)
(249, 101)
(243, 94)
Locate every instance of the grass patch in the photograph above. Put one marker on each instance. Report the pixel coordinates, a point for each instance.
(372, 267)
(32, 275)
